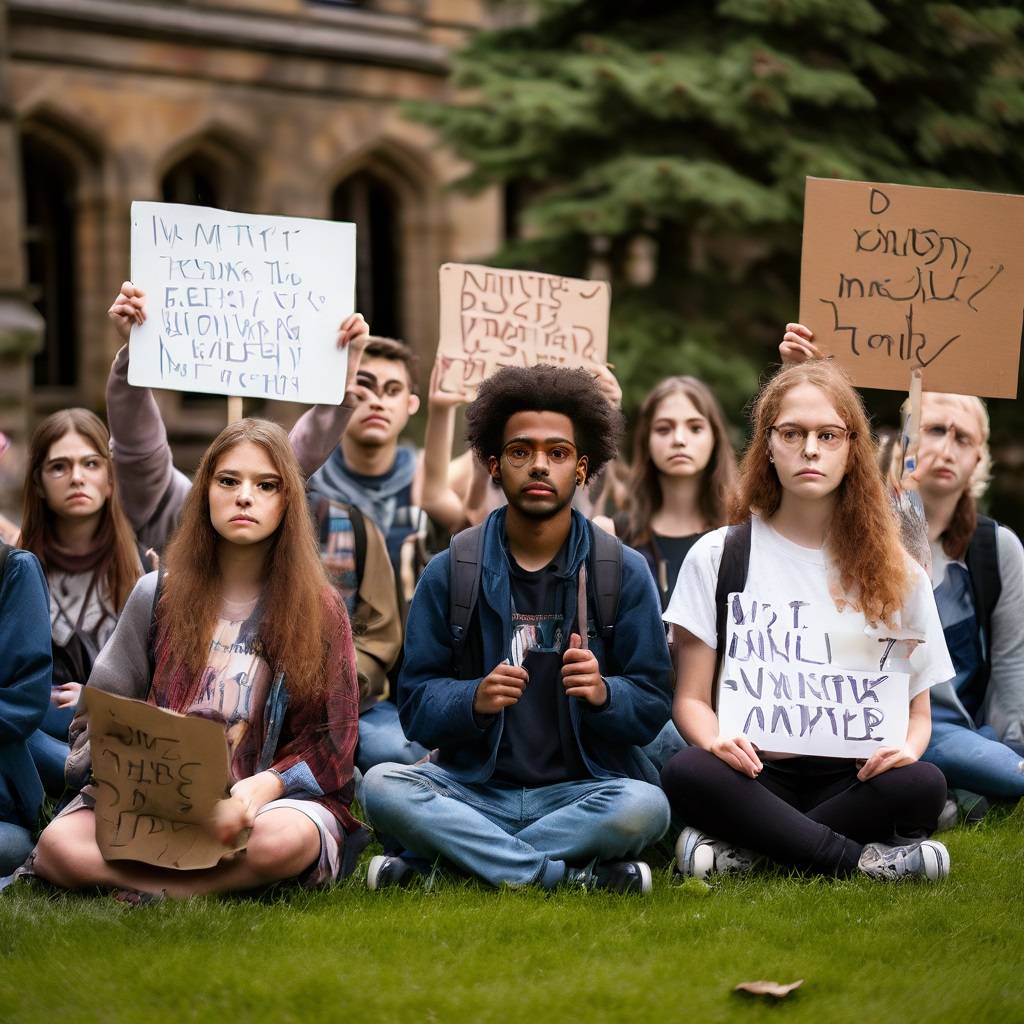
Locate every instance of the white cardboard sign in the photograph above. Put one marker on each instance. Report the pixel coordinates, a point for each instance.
(241, 304)
(793, 686)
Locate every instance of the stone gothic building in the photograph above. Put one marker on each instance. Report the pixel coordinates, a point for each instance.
(266, 106)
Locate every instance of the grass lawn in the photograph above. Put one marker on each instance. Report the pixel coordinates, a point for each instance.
(868, 952)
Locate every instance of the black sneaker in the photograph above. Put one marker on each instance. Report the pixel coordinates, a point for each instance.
(388, 871)
(613, 875)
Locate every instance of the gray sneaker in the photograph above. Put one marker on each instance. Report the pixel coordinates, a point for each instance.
(949, 818)
(698, 855)
(928, 860)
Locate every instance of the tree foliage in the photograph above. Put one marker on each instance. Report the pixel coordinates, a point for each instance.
(687, 128)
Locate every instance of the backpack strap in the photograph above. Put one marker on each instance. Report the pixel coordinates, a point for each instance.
(732, 578)
(465, 553)
(606, 579)
(358, 521)
(153, 622)
(5, 550)
(982, 560)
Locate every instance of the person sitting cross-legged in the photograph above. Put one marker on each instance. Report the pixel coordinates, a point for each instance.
(537, 701)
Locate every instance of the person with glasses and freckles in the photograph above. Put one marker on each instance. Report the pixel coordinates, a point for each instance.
(977, 571)
(537, 775)
(821, 534)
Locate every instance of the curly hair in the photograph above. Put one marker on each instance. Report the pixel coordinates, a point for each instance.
(863, 540)
(718, 478)
(575, 393)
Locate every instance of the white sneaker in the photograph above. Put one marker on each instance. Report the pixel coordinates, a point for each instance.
(698, 855)
(928, 860)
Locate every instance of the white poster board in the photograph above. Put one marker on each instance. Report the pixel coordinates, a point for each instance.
(241, 304)
(793, 686)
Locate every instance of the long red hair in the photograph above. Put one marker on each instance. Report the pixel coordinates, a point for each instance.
(863, 540)
(300, 612)
(120, 566)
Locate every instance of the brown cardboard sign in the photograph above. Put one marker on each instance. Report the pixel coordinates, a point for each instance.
(157, 776)
(492, 318)
(896, 277)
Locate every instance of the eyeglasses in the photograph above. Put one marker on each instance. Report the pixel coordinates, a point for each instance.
(520, 453)
(937, 432)
(830, 438)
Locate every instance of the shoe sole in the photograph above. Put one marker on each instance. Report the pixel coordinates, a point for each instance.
(373, 871)
(686, 844)
(646, 881)
(936, 860)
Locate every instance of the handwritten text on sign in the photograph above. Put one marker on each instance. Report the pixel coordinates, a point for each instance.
(493, 318)
(241, 304)
(157, 776)
(896, 277)
(792, 687)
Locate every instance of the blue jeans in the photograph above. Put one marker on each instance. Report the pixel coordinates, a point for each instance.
(665, 745)
(49, 748)
(503, 833)
(974, 759)
(15, 846)
(381, 739)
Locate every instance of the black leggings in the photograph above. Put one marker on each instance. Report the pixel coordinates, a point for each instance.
(807, 813)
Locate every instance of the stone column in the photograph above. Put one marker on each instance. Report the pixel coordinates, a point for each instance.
(21, 326)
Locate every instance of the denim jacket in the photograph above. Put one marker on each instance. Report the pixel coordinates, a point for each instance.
(437, 709)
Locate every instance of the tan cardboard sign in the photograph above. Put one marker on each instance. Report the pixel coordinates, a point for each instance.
(158, 776)
(492, 318)
(896, 277)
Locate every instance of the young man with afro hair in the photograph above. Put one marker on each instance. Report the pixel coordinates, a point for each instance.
(537, 719)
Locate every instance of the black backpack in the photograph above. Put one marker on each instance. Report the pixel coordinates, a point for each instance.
(986, 585)
(466, 553)
(732, 578)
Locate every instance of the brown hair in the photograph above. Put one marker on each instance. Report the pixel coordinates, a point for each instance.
(120, 567)
(397, 351)
(863, 541)
(297, 603)
(718, 478)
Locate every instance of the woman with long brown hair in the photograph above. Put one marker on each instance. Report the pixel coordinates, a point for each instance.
(247, 631)
(682, 476)
(72, 521)
(814, 553)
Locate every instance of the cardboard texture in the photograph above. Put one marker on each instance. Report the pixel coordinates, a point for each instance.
(811, 690)
(241, 304)
(895, 277)
(492, 318)
(157, 775)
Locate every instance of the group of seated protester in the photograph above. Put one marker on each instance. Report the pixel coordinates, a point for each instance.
(535, 704)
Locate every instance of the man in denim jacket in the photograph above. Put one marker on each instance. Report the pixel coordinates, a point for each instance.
(536, 776)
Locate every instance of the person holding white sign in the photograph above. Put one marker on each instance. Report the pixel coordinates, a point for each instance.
(819, 618)
(977, 570)
(245, 631)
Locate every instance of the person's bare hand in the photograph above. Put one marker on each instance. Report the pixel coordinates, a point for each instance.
(128, 308)
(797, 345)
(581, 674)
(608, 383)
(445, 399)
(66, 695)
(231, 817)
(739, 753)
(883, 759)
(500, 689)
(353, 334)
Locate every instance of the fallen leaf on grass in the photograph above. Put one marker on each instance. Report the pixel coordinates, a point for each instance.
(767, 988)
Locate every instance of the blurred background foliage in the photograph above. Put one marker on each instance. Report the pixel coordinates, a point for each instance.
(663, 144)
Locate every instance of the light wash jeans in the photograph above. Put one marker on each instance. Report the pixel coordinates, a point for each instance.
(974, 759)
(15, 846)
(503, 833)
(665, 745)
(381, 739)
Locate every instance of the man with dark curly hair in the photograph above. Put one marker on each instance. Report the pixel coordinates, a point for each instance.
(537, 711)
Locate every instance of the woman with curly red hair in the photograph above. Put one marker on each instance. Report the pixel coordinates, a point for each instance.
(245, 602)
(821, 535)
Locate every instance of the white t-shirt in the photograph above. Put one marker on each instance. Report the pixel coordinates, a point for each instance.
(782, 572)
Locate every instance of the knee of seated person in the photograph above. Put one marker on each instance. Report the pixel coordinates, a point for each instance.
(641, 813)
(274, 845)
(57, 859)
(686, 767)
